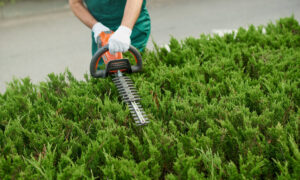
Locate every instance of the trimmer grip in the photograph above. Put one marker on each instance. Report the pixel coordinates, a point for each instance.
(102, 73)
(102, 38)
(138, 59)
(99, 43)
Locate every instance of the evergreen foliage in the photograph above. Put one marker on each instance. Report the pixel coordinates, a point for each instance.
(220, 107)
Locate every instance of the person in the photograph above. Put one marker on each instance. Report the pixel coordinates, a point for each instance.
(128, 19)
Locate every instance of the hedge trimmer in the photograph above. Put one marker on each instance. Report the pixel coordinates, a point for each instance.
(116, 66)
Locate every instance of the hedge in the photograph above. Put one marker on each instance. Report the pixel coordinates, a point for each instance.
(220, 108)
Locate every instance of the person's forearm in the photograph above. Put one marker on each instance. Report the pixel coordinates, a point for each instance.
(131, 12)
(82, 13)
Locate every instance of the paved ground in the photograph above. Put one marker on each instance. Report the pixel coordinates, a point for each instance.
(42, 43)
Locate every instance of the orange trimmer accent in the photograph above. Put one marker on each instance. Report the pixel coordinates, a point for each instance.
(104, 37)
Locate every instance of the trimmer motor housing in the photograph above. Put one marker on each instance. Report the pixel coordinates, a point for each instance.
(113, 62)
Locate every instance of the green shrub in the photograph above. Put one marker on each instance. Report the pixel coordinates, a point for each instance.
(220, 107)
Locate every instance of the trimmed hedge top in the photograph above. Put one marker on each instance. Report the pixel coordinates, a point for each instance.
(220, 107)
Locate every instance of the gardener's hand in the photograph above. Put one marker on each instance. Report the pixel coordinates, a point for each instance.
(97, 29)
(120, 40)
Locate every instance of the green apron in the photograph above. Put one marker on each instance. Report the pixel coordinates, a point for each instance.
(110, 13)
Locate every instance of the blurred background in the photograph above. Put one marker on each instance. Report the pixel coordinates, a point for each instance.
(38, 37)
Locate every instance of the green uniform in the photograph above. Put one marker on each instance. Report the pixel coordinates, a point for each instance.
(110, 14)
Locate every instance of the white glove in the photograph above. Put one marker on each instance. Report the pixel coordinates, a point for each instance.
(98, 28)
(120, 40)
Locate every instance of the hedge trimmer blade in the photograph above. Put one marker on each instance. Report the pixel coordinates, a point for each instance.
(129, 95)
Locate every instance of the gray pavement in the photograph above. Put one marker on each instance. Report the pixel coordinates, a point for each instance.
(35, 43)
(32, 7)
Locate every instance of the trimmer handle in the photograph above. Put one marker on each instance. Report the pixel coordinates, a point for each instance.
(103, 73)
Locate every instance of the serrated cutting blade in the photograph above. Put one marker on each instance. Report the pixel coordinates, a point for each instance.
(129, 95)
